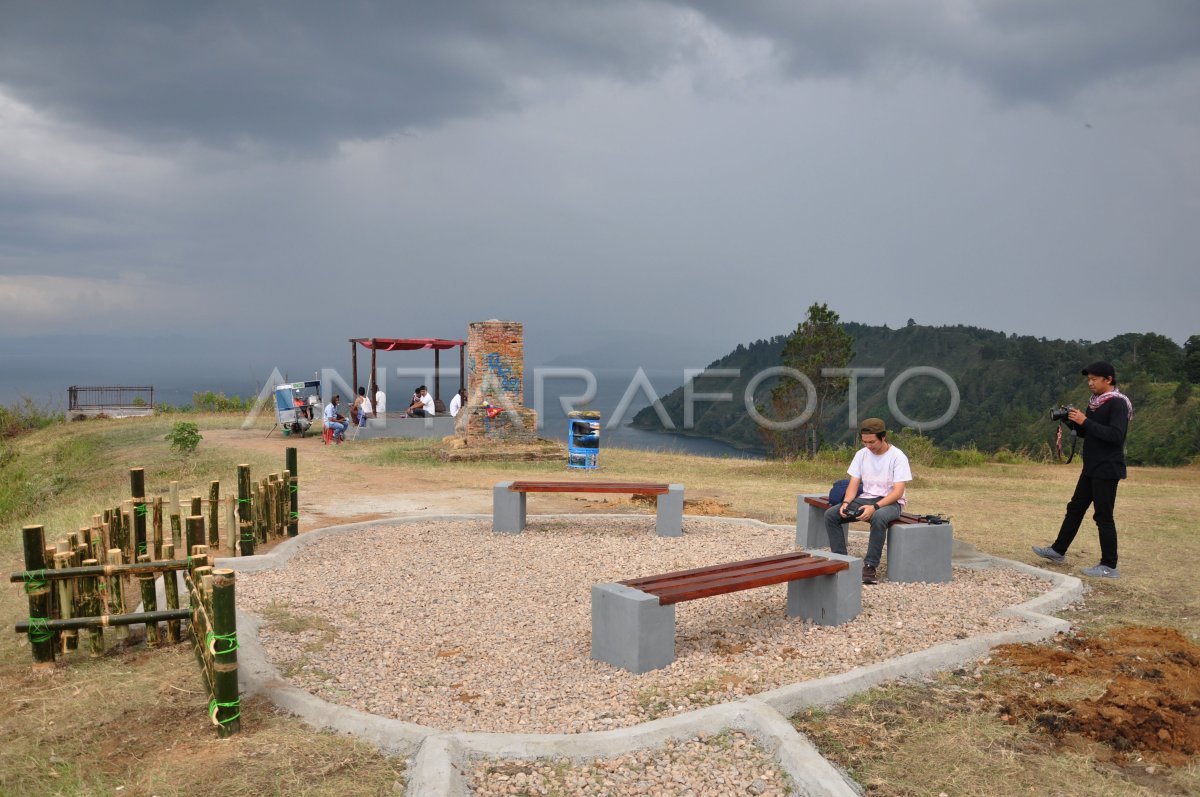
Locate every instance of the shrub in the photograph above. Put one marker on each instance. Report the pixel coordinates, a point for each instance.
(184, 437)
(209, 401)
(25, 416)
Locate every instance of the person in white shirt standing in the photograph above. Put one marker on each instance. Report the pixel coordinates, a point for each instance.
(882, 471)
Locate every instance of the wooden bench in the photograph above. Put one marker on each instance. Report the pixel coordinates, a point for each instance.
(508, 502)
(916, 550)
(633, 622)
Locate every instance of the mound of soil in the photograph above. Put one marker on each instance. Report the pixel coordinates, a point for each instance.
(1146, 697)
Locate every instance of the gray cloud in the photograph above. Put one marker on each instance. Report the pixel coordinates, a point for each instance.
(1019, 50)
(302, 76)
(306, 74)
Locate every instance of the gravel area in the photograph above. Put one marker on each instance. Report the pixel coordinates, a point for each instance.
(714, 766)
(446, 624)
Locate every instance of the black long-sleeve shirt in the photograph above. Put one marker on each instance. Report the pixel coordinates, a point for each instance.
(1103, 436)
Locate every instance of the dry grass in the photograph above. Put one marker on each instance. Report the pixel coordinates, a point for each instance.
(136, 719)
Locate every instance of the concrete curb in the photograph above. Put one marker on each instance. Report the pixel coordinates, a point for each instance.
(439, 758)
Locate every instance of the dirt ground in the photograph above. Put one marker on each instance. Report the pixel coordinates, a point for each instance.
(1144, 696)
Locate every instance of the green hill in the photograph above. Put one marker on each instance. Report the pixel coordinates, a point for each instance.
(1007, 385)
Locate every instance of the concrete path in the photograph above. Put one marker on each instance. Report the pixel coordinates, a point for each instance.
(438, 757)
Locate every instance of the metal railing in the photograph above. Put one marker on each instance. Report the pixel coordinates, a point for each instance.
(117, 397)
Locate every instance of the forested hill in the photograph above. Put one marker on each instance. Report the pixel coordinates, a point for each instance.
(1007, 383)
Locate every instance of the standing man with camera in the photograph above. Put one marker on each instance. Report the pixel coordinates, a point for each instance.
(1103, 428)
(882, 470)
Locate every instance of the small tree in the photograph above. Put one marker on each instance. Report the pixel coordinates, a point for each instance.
(819, 342)
(184, 437)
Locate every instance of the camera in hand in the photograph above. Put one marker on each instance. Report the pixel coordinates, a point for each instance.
(852, 511)
(1060, 413)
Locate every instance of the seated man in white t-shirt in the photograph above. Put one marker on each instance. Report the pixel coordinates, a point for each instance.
(882, 470)
(422, 406)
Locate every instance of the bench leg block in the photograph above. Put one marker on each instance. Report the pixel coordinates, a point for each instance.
(920, 552)
(669, 522)
(810, 524)
(828, 600)
(508, 510)
(630, 630)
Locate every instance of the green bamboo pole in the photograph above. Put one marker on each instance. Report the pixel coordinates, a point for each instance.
(197, 505)
(118, 530)
(272, 505)
(176, 519)
(225, 708)
(41, 638)
(137, 489)
(79, 594)
(157, 519)
(149, 604)
(245, 525)
(101, 532)
(111, 620)
(195, 533)
(231, 528)
(116, 590)
(69, 640)
(282, 504)
(171, 588)
(92, 608)
(109, 569)
(260, 525)
(293, 466)
(214, 509)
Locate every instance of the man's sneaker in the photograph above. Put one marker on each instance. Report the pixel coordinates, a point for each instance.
(1101, 571)
(869, 575)
(1048, 553)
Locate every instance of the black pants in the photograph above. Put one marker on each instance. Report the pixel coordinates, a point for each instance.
(1101, 494)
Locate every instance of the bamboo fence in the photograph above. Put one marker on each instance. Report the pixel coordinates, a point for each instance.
(83, 582)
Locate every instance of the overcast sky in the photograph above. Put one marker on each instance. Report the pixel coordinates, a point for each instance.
(613, 171)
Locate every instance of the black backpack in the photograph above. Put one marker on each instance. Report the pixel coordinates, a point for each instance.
(838, 493)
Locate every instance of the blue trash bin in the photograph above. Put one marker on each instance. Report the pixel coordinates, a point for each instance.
(583, 439)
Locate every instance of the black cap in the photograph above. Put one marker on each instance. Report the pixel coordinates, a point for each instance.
(1100, 368)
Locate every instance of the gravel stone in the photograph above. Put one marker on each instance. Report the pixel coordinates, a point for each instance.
(445, 624)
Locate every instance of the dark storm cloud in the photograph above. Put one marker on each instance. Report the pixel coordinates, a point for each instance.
(304, 75)
(301, 76)
(1019, 50)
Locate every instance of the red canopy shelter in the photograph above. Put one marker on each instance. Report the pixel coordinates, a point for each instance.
(409, 344)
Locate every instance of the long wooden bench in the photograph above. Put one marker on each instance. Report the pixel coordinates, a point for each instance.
(633, 621)
(509, 501)
(917, 550)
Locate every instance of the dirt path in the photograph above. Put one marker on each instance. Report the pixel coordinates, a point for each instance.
(338, 487)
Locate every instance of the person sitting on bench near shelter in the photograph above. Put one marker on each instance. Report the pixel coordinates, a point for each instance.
(882, 470)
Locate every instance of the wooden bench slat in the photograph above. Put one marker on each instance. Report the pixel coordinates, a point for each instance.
(646, 583)
(589, 487)
(736, 582)
(685, 585)
(823, 503)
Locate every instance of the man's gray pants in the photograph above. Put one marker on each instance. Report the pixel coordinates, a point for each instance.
(835, 525)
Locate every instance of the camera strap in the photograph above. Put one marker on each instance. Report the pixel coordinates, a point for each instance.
(1058, 444)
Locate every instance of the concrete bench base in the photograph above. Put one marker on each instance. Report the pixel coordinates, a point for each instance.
(508, 510)
(915, 551)
(632, 631)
